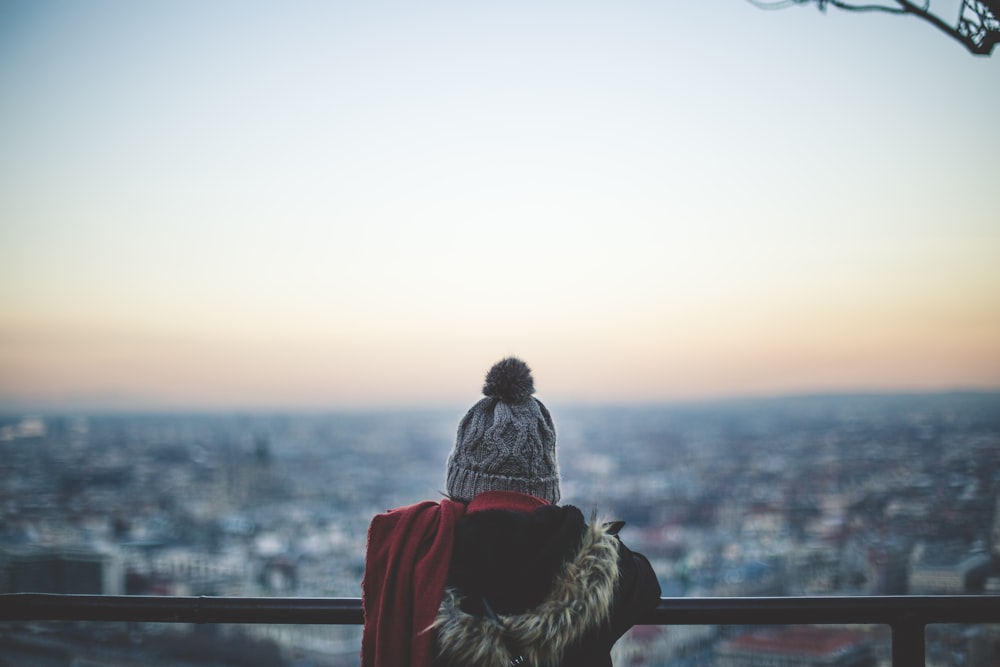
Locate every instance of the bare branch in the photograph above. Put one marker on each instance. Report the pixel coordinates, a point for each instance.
(978, 26)
(780, 4)
(866, 8)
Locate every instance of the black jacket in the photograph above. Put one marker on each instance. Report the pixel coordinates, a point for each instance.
(544, 585)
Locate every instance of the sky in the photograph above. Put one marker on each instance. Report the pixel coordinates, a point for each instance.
(326, 205)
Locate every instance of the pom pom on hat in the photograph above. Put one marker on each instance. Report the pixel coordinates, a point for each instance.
(509, 380)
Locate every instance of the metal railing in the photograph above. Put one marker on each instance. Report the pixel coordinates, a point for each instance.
(906, 616)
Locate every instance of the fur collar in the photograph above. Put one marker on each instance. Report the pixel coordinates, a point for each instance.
(580, 601)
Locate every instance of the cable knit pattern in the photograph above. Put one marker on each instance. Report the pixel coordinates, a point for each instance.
(507, 441)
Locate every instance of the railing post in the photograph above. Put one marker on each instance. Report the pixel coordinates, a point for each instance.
(908, 642)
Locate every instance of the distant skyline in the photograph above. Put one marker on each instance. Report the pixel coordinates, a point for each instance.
(315, 205)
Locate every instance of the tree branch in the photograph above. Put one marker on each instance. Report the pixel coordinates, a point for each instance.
(990, 37)
(939, 24)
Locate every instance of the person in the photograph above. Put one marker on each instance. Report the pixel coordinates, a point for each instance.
(498, 573)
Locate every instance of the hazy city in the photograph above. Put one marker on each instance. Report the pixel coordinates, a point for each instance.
(835, 495)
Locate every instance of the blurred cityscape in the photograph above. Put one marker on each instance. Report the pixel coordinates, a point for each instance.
(834, 495)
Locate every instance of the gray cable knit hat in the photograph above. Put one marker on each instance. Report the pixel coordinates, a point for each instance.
(507, 441)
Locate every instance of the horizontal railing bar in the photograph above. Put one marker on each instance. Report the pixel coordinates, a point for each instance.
(890, 610)
(179, 609)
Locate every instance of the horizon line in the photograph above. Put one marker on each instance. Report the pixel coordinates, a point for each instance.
(84, 407)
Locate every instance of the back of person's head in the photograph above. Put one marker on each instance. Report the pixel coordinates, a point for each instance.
(506, 441)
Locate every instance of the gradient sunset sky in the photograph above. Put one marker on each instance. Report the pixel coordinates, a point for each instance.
(311, 205)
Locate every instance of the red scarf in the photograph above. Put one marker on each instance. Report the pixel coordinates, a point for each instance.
(406, 567)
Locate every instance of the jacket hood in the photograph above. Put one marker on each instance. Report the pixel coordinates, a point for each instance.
(580, 601)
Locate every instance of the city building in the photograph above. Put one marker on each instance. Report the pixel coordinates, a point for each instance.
(947, 569)
(30, 569)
